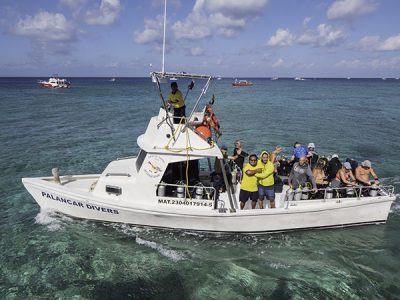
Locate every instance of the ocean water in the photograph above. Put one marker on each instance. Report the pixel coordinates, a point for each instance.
(50, 256)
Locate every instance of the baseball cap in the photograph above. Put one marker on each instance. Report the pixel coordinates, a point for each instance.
(366, 163)
(311, 145)
(335, 155)
(347, 165)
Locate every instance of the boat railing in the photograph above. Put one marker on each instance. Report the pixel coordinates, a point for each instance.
(184, 192)
(339, 192)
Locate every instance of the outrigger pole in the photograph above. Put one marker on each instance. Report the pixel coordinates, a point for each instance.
(165, 22)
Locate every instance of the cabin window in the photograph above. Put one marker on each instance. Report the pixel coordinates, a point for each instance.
(140, 159)
(111, 189)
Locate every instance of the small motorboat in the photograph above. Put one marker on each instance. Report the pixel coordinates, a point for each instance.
(55, 82)
(242, 83)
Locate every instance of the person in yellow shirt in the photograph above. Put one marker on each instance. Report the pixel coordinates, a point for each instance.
(248, 187)
(178, 102)
(266, 180)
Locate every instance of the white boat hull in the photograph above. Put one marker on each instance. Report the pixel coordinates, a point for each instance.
(299, 215)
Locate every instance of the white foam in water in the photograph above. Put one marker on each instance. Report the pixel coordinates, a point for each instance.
(277, 266)
(171, 254)
(46, 217)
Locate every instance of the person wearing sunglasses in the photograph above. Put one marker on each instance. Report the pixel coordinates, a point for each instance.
(364, 171)
(248, 186)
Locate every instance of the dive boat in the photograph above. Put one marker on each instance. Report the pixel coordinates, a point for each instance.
(55, 82)
(169, 184)
(242, 83)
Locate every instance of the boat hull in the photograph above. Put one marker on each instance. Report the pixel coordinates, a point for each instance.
(321, 215)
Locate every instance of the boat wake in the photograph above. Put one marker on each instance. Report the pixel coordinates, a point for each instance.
(169, 253)
(49, 218)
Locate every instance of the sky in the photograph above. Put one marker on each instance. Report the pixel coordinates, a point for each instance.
(229, 38)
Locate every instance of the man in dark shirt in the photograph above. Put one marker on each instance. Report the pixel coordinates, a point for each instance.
(239, 155)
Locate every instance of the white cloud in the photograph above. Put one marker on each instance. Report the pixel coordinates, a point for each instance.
(196, 51)
(232, 8)
(375, 43)
(106, 14)
(324, 36)
(349, 9)
(224, 17)
(46, 27)
(391, 44)
(152, 33)
(278, 63)
(194, 27)
(306, 21)
(49, 33)
(282, 37)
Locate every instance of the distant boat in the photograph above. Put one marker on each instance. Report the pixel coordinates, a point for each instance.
(274, 78)
(299, 78)
(242, 83)
(348, 78)
(112, 79)
(219, 78)
(383, 78)
(173, 79)
(54, 82)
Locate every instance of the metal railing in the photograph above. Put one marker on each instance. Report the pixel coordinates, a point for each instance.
(339, 192)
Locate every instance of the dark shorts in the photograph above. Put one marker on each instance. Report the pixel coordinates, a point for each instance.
(245, 195)
(266, 191)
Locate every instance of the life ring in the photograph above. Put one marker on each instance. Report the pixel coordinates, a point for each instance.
(204, 132)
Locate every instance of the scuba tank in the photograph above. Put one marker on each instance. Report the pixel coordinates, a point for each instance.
(298, 193)
(198, 192)
(161, 189)
(349, 191)
(328, 193)
(290, 194)
(373, 190)
(234, 178)
(180, 190)
(304, 194)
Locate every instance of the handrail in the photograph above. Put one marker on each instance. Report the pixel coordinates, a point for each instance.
(118, 174)
(386, 190)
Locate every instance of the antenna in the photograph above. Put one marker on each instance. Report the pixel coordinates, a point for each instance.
(165, 21)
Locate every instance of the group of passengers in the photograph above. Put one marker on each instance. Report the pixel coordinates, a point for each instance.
(305, 167)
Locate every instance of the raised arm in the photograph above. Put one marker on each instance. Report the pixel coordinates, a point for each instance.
(275, 153)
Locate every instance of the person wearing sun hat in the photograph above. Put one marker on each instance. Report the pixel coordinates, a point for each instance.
(364, 171)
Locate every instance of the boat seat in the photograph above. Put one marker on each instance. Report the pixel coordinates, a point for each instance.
(197, 117)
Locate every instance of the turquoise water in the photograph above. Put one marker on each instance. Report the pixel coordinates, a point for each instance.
(47, 256)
